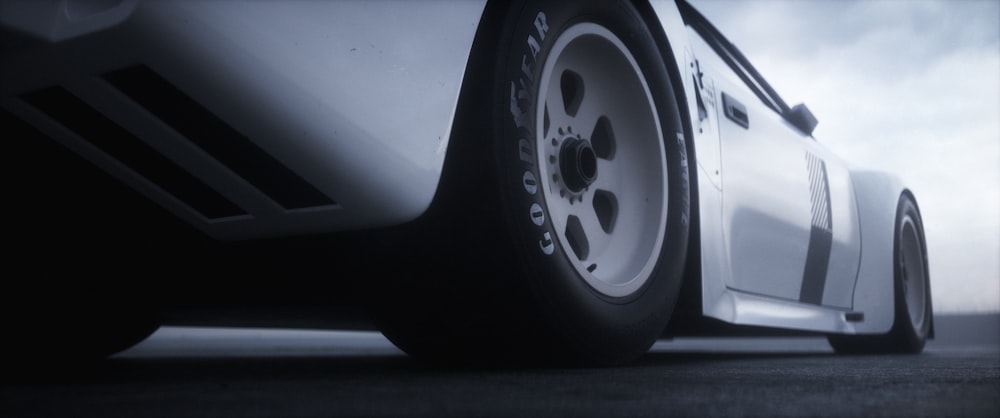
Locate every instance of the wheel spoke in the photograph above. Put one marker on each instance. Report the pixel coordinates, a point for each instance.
(576, 236)
(606, 208)
(608, 176)
(547, 121)
(570, 104)
(604, 197)
(572, 90)
(555, 115)
(590, 111)
(603, 139)
(585, 226)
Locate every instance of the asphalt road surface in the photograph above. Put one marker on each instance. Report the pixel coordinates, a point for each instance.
(187, 372)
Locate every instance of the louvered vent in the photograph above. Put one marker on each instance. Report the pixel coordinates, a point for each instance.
(189, 119)
(216, 137)
(112, 139)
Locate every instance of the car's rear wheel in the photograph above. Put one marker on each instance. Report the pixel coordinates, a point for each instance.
(84, 256)
(913, 311)
(560, 229)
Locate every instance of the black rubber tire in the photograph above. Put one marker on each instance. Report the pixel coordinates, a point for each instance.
(474, 285)
(62, 337)
(905, 336)
(84, 260)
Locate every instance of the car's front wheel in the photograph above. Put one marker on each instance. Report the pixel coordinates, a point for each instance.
(561, 225)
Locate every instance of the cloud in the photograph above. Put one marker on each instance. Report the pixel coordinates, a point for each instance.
(910, 87)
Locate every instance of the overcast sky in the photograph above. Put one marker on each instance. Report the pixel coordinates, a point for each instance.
(908, 86)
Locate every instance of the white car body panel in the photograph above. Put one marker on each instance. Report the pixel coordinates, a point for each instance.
(768, 210)
(878, 197)
(365, 114)
(369, 103)
(752, 283)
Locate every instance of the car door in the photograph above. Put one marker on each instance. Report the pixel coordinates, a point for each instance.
(790, 224)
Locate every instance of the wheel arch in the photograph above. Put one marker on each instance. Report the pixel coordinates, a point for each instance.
(665, 23)
(667, 27)
(907, 192)
(490, 47)
(878, 195)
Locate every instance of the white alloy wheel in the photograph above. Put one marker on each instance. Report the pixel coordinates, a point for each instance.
(560, 230)
(602, 159)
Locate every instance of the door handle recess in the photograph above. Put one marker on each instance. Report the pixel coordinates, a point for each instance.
(735, 111)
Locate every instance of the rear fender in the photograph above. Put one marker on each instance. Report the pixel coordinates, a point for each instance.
(878, 197)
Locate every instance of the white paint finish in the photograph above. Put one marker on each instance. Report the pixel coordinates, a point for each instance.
(355, 97)
(715, 267)
(715, 262)
(757, 310)
(359, 96)
(878, 197)
(766, 206)
(720, 271)
(705, 122)
(845, 252)
(927, 112)
(58, 20)
(358, 107)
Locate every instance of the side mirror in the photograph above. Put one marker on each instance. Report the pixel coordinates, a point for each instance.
(800, 117)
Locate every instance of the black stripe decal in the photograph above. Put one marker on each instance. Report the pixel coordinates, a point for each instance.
(217, 138)
(821, 235)
(120, 144)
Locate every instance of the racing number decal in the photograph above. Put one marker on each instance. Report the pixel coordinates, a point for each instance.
(820, 235)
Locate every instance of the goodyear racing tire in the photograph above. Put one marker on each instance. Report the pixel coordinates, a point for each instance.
(560, 228)
(913, 312)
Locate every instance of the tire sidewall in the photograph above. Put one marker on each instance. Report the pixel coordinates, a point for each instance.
(915, 338)
(599, 324)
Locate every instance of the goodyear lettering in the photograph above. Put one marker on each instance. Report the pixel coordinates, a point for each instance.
(519, 96)
(525, 151)
(516, 97)
(680, 145)
(521, 87)
(526, 66)
(537, 214)
(533, 46)
(541, 25)
(546, 244)
(530, 183)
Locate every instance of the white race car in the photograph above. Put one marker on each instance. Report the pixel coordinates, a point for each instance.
(527, 181)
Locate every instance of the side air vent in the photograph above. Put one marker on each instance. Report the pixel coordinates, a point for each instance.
(117, 142)
(216, 137)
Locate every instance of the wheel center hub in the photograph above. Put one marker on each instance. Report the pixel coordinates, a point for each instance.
(577, 164)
